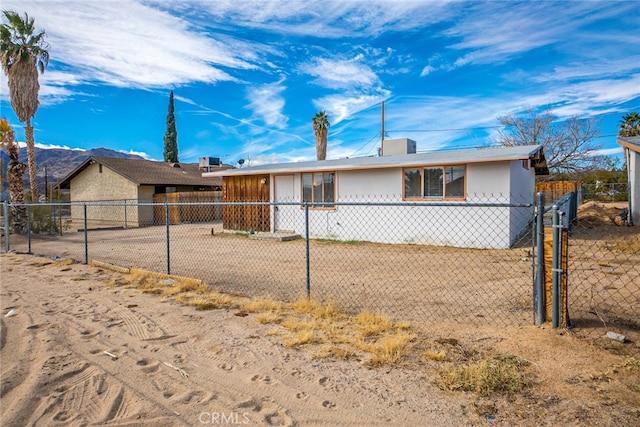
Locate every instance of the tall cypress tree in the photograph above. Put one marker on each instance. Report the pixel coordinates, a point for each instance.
(171, 135)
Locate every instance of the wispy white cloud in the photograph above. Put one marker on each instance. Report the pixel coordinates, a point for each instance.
(142, 47)
(608, 151)
(497, 32)
(267, 102)
(492, 32)
(328, 19)
(342, 107)
(51, 146)
(427, 70)
(340, 73)
(138, 153)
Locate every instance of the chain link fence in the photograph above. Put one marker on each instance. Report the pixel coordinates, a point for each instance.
(604, 270)
(470, 262)
(605, 192)
(456, 261)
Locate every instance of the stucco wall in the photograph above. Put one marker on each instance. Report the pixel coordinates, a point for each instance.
(97, 186)
(455, 225)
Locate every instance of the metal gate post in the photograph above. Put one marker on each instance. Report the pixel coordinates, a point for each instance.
(556, 268)
(166, 215)
(306, 236)
(539, 294)
(86, 236)
(7, 232)
(29, 229)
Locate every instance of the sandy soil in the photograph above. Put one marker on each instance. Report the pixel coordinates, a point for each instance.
(76, 351)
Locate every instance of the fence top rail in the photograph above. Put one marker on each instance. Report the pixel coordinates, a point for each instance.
(284, 203)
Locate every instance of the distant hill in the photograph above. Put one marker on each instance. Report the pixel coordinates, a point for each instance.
(59, 163)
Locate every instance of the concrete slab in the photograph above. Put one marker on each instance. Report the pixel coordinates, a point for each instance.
(281, 236)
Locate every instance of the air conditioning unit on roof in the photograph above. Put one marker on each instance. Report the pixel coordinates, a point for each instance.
(207, 162)
(391, 147)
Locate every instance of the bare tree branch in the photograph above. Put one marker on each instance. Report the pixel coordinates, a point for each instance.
(569, 146)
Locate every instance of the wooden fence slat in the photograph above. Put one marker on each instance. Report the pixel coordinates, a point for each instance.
(181, 213)
(548, 276)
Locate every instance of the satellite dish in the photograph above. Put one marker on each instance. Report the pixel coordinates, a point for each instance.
(241, 162)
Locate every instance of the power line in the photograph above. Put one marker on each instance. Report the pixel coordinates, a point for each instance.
(446, 130)
(375, 137)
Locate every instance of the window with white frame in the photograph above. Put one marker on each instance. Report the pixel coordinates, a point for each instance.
(435, 183)
(319, 188)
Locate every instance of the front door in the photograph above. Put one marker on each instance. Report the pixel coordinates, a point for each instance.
(284, 215)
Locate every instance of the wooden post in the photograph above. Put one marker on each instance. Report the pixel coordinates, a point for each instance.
(548, 276)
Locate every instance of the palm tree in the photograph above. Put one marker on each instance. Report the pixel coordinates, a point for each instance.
(630, 124)
(320, 124)
(15, 171)
(23, 53)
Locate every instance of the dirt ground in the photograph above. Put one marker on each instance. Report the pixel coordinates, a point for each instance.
(77, 350)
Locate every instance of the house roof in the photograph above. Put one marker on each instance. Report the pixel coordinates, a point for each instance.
(147, 172)
(441, 158)
(630, 142)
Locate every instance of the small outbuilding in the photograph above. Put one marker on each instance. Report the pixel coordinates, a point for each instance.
(392, 185)
(631, 149)
(103, 181)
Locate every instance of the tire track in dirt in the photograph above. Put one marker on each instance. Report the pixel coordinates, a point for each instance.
(148, 343)
(19, 351)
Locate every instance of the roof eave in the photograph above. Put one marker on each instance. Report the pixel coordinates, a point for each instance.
(535, 153)
(631, 145)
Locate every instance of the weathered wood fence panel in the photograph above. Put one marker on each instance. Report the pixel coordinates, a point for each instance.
(251, 188)
(554, 190)
(188, 213)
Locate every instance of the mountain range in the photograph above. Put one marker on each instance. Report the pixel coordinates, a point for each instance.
(57, 162)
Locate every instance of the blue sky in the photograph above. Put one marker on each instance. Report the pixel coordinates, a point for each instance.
(248, 76)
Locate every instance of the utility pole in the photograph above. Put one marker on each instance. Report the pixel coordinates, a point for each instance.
(382, 128)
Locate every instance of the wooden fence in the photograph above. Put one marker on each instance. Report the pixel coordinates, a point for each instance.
(554, 190)
(185, 213)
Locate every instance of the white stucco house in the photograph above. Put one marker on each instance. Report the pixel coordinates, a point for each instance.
(437, 198)
(631, 148)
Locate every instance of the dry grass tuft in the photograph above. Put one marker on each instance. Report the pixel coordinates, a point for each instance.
(302, 337)
(117, 282)
(369, 324)
(486, 376)
(391, 349)
(337, 332)
(295, 324)
(147, 282)
(317, 309)
(260, 304)
(186, 285)
(68, 261)
(269, 317)
(209, 301)
(438, 356)
(335, 351)
(184, 298)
